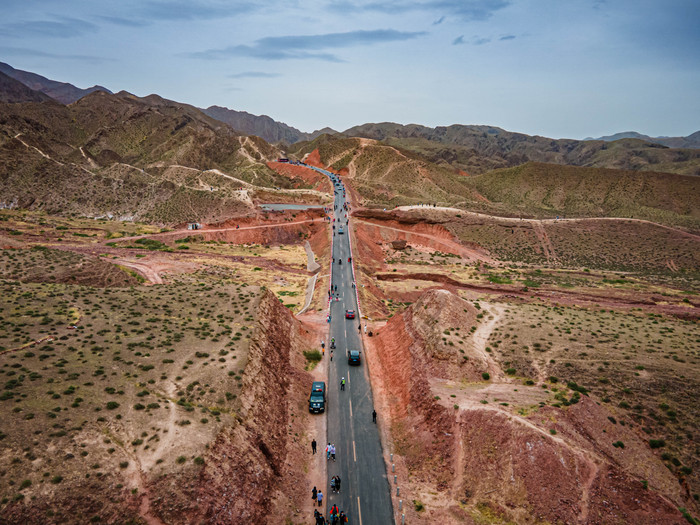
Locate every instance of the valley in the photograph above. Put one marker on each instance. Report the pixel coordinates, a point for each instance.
(528, 323)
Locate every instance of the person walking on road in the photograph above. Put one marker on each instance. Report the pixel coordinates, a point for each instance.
(343, 518)
(314, 492)
(333, 451)
(374, 416)
(331, 355)
(342, 384)
(337, 484)
(328, 451)
(313, 446)
(320, 520)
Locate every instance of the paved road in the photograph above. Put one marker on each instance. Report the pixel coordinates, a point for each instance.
(365, 490)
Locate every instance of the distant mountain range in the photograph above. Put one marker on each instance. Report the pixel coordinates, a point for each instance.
(60, 91)
(691, 141)
(262, 126)
(477, 149)
(13, 91)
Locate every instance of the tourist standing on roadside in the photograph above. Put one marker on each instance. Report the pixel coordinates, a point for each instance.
(313, 446)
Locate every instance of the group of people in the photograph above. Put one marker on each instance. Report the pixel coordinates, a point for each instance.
(330, 451)
(335, 484)
(335, 517)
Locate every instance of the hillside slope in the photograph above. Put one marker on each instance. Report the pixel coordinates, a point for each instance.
(121, 155)
(548, 190)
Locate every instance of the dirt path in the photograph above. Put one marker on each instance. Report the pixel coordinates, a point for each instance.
(144, 269)
(545, 242)
(480, 339)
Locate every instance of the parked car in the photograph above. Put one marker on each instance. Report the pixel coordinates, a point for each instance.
(349, 314)
(354, 357)
(317, 399)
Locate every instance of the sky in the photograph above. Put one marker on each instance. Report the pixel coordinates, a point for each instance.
(556, 68)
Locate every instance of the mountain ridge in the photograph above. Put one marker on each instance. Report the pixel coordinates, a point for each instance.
(63, 92)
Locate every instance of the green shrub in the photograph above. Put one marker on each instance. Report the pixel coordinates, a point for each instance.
(486, 376)
(657, 443)
(111, 405)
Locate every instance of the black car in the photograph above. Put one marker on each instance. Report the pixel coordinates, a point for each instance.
(317, 399)
(354, 357)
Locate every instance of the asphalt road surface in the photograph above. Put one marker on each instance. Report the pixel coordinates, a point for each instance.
(365, 490)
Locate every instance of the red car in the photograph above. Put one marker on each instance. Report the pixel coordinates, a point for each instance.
(349, 314)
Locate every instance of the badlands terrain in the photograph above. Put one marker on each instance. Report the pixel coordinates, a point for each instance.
(531, 310)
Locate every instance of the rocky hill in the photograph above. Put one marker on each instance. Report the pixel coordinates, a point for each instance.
(262, 126)
(125, 156)
(477, 149)
(62, 91)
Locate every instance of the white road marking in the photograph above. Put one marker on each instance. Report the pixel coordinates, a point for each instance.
(354, 456)
(350, 407)
(359, 510)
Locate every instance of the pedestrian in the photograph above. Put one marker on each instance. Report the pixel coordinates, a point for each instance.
(343, 518)
(333, 484)
(313, 493)
(337, 484)
(323, 343)
(359, 327)
(333, 451)
(328, 451)
(320, 520)
(319, 497)
(331, 355)
(313, 446)
(374, 416)
(342, 384)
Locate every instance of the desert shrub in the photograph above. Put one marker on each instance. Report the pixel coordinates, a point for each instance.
(111, 405)
(618, 444)
(180, 460)
(312, 355)
(657, 443)
(486, 376)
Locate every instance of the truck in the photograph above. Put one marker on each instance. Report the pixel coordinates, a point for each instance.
(317, 398)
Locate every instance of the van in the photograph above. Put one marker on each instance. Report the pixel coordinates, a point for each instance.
(317, 399)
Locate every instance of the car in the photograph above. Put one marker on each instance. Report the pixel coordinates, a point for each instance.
(349, 314)
(354, 357)
(340, 230)
(317, 398)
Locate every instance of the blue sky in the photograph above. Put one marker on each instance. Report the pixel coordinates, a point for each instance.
(558, 68)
